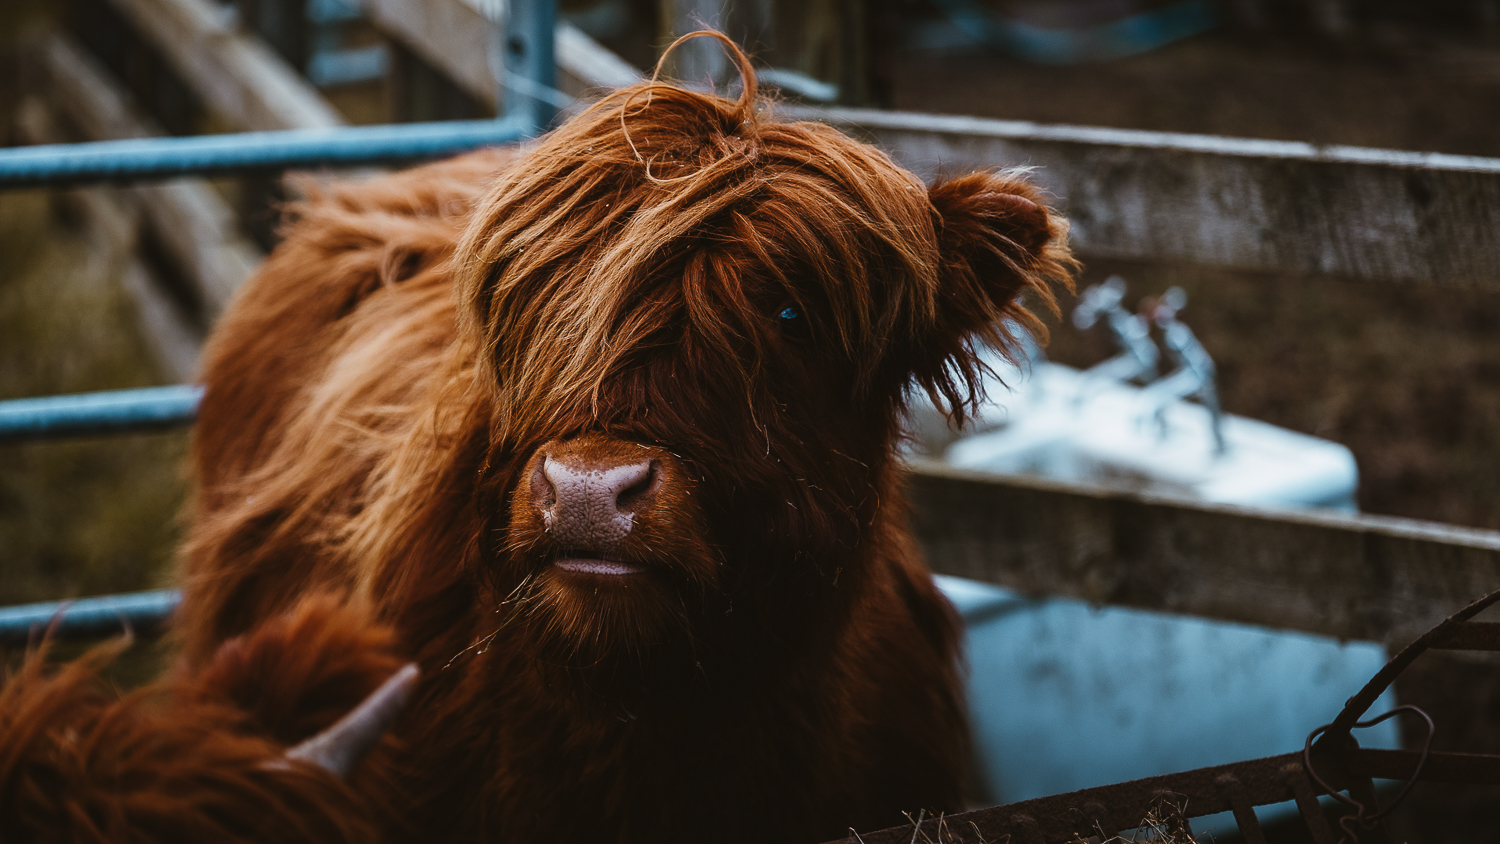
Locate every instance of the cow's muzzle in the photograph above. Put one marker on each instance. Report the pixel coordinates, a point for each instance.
(590, 493)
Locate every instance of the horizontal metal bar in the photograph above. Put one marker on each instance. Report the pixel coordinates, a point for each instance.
(1112, 808)
(1471, 768)
(92, 414)
(1470, 636)
(87, 618)
(1200, 792)
(208, 155)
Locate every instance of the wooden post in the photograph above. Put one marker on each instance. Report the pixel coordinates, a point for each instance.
(240, 79)
(853, 54)
(282, 25)
(119, 47)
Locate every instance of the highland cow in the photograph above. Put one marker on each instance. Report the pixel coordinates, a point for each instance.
(604, 429)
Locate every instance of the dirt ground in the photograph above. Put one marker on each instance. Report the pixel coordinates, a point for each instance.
(1433, 95)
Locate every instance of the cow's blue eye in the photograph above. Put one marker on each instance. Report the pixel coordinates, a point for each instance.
(793, 323)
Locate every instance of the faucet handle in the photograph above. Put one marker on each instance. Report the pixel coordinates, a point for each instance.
(1167, 306)
(1098, 300)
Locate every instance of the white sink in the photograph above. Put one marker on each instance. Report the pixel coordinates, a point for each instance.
(1063, 425)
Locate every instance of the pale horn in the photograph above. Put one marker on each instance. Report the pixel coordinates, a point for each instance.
(340, 747)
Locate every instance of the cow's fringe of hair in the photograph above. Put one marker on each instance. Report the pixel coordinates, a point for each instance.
(193, 758)
(660, 183)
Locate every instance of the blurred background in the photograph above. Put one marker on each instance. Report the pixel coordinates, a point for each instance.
(98, 289)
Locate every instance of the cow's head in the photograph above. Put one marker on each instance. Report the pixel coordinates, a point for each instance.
(699, 327)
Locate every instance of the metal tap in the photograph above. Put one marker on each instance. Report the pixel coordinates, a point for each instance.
(1195, 375)
(1132, 332)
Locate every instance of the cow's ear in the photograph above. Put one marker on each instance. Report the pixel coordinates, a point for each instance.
(997, 242)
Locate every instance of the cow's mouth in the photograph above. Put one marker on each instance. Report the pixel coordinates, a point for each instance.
(586, 563)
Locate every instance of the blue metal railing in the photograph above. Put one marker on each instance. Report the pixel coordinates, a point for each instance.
(527, 73)
(88, 618)
(96, 414)
(212, 155)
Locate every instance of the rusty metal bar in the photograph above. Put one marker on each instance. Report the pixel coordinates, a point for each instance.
(1469, 636)
(1244, 810)
(1117, 807)
(1475, 768)
(1366, 697)
(1307, 803)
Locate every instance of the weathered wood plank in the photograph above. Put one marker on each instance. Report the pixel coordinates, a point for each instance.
(586, 66)
(1351, 577)
(239, 78)
(1277, 206)
(176, 343)
(451, 35)
(458, 38)
(196, 225)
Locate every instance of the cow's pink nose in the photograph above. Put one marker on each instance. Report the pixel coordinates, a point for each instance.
(590, 505)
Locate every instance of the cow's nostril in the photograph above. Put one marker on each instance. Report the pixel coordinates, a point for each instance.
(637, 493)
(543, 493)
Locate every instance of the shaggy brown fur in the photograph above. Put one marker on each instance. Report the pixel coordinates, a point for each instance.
(675, 278)
(198, 758)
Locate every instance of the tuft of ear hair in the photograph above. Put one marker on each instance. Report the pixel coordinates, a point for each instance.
(996, 241)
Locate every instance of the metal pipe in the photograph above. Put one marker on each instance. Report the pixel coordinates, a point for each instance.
(92, 414)
(528, 65)
(89, 618)
(209, 155)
